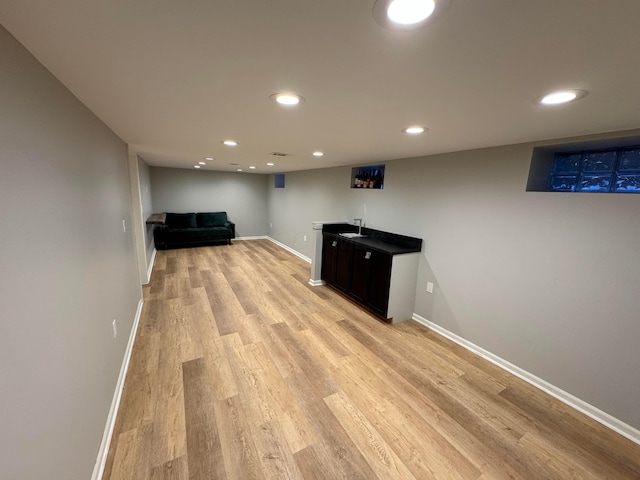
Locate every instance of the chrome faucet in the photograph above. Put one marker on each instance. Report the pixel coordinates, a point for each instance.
(359, 220)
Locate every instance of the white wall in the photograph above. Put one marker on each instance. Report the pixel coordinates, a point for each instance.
(547, 281)
(68, 270)
(242, 195)
(144, 174)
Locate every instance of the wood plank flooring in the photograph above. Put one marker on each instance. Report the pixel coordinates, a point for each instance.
(241, 371)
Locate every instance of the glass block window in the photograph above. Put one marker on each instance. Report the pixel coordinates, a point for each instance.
(614, 171)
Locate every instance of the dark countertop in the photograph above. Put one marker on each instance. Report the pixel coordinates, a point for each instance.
(385, 242)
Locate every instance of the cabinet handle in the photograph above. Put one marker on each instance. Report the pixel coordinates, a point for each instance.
(334, 243)
(367, 255)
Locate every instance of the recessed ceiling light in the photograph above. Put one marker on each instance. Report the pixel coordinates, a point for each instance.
(209, 158)
(230, 143)
(196, 166)
(414, 130)
(318, 154)
(560, 97)
(288, 99)
(252, 167)
(202, 163)
(407, 14)
(238, 169)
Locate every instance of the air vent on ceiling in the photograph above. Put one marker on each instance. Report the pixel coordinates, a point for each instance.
(280, 154)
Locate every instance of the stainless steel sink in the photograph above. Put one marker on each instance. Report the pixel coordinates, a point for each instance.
(352, 235)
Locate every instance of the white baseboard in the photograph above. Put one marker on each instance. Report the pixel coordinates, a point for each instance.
(315, 283)
(289, 249)
(598, 415)
(101, 461)
(150, 267)
(258, 237)
(286, 247)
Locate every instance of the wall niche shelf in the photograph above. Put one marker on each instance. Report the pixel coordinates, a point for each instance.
(156, 219)
(368, 177)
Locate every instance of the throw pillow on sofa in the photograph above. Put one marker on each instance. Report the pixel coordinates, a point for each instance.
(211, 219)
(181, 220)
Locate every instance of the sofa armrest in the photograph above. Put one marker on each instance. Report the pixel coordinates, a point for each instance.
(232, 227)
(159, 236)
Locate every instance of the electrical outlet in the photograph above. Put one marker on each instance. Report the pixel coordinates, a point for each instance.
(305, 238)
(115, 328)
(124, 226)
(429, 287)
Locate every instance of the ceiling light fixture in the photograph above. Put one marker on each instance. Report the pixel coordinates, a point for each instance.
(238, 169)
(414, 130)
(270, 164)
(252, 167)
(318, 154)
(202, 163)
(407, 14)
(561, 96)
(196, 166)
(287, 99)
(230, 143)
(209, 158)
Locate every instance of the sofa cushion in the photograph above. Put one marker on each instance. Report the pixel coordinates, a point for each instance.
(192, 236)
(211, 219)
(181, 220)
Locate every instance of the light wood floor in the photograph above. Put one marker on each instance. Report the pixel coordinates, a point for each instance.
(242, 371)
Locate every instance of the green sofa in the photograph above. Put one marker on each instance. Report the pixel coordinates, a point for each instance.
(193, 230)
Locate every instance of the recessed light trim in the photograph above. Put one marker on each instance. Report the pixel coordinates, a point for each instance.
(230, 143)
(196, 166)
(202, 163)
(415, 130)
(270, 164)
(560, 97)
(318, 153)
(252, 167)
(286, 99)
(408, 14)
(209, 158)
(238, 169)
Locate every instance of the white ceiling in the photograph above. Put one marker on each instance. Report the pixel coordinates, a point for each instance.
(173, 78)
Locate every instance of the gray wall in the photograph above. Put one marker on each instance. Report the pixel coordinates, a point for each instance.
(242, 195)
(68, 270)
(144, 174)
(547, 281)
